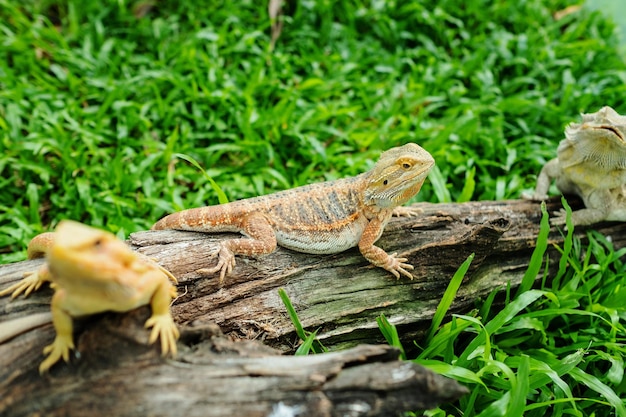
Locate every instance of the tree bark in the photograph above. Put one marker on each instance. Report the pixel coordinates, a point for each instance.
(117, 375)
(338, 295)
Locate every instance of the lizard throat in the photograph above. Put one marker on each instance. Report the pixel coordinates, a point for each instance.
(394, 197)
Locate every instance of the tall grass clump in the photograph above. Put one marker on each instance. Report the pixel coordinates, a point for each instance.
(555, 350)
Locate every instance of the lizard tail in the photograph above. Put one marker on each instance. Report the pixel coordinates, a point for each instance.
(38, 246)
(169, 222)
(202, 219)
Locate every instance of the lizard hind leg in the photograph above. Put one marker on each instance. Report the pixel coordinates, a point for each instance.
(225, 262)
(260, 240)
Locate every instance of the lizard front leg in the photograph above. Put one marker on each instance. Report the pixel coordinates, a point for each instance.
(260, 240)
(597, 205)
(378, 257)
(549, 171)
(63, 343)
(161, 321)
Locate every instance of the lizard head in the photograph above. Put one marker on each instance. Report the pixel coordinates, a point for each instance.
(397, 176)
(80, 252)
(599, 140)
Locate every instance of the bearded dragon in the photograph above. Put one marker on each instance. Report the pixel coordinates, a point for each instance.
(322, 218)
(92, 271)
(590, 163)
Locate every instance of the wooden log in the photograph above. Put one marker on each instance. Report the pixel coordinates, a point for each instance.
(118, 375)
(339, 295)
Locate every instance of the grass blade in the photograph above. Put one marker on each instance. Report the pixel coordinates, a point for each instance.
(221, 196)
(390, 332)
(503, 317)
(448, 297)
(601, 388)
(307, 337)
(520, 389)
(568, 243)
(307, 345)
(536, 259)
(446, 336)
(451, 371)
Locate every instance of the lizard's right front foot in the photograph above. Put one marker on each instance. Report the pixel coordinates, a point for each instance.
(60, 348)
(31, 282)
(225, 263)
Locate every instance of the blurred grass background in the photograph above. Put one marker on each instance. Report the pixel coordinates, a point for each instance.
(613, 10)
(97, 100)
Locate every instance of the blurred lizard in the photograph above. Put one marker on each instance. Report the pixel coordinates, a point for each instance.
(92, 271)
(323, 218)
(591, 163)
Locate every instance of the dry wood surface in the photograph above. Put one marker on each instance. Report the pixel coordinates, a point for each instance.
(242, 373)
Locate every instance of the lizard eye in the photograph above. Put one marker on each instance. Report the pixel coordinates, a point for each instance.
(385, 182)
(406, 165)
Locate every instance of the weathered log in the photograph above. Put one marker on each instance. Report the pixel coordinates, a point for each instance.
(117, 375)
(339, 295)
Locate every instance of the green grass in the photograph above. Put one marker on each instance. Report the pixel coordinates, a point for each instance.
(114, 117)
(97, 102)
(558, 350)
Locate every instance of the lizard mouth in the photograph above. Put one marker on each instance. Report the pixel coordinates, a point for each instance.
(615, 131)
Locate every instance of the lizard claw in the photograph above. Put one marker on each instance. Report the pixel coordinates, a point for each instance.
(31, 282)
(399, 266)
(60, 348)
(559, 218)
(225, 263)
(402, 211)
(163, 326)
(534, 196)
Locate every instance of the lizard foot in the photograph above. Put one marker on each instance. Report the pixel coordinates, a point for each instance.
(60, 348)
(527, 195)
(225, 263)
(398, 266)
(559, 218)
(403, 211)
(163, 325)
(31, 282)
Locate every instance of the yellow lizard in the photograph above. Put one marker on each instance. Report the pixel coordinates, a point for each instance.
(322, 218)
(91, 271)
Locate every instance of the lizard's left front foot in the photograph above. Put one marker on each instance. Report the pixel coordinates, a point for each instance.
(60, 348)
(163, 325)
(398, 266)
